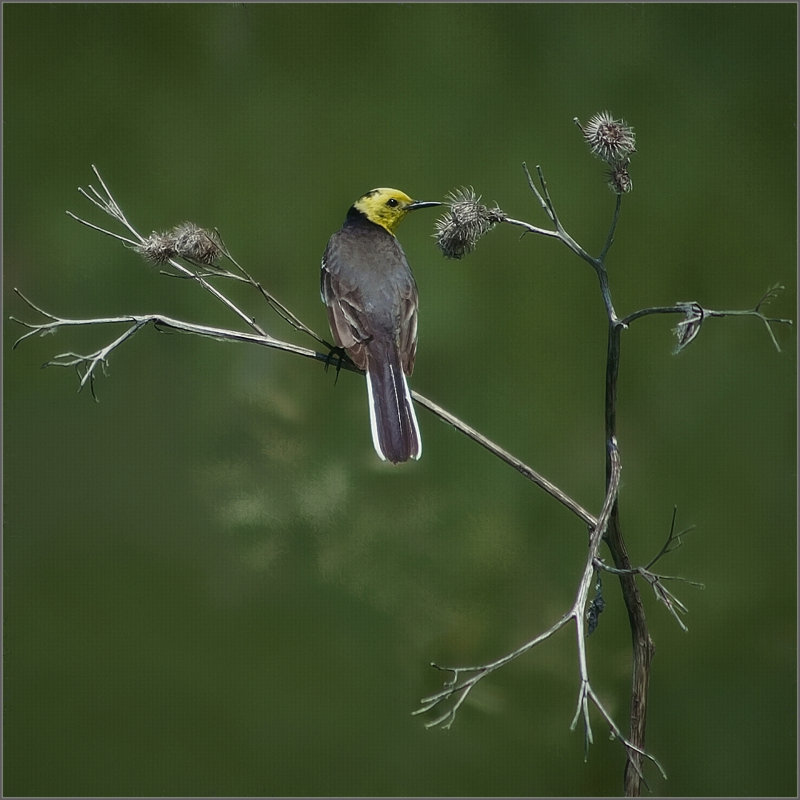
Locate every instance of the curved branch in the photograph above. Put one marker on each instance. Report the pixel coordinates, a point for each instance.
(508, 458)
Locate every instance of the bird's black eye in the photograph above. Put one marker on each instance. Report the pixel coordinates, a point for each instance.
(391, 202)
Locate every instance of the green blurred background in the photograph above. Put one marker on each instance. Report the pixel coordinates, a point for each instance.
(211, 584)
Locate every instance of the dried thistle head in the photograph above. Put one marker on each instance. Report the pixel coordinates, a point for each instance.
(157, 247)
(609, 139)
(186, 240)
(619, 180)
(464, 223)
(196, 244)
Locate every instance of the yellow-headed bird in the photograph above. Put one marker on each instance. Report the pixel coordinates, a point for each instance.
(371, 296)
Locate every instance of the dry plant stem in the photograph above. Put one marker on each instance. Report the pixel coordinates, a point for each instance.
(160, 322)
(605, 528)
(643, 647)
(708, 313)
(634, 749)
(509, 459)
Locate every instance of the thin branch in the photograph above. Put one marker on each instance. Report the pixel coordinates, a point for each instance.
(531, 228)
(611, 231)
(695, 314)
(119, 237)
(159, 321)
(460, 690)
(283, 312)
(596, 264)
(673, 541)
(508, 458)
(93, 360)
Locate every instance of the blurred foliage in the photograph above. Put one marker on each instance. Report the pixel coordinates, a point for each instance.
(211, 585)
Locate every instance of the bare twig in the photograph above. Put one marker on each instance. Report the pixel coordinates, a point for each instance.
(673, 541)
(695, 314)
(139, 321)
(511, 460)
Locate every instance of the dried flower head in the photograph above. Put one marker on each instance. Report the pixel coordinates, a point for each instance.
(466, 221)
(186, 240)
(196, 244)
(157, 247)
(689, 326)
(609, 139)
(619, 179)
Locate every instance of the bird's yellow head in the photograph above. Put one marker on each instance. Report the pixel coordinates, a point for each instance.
(387, 207)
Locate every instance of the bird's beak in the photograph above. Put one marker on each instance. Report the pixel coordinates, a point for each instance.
(419, 204)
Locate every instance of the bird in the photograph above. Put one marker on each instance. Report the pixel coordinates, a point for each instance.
(372, 299)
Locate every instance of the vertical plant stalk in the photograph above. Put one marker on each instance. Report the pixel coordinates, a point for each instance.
(642, 643)
(457, 235)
